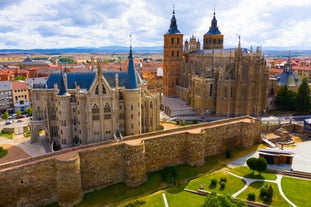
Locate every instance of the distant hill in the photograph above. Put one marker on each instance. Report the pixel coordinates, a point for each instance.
(106, 49)
(269, 52)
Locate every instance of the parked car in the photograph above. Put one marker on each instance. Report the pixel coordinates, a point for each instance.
(7, 123)
(21, 116)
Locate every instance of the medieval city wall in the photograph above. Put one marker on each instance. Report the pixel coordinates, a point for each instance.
(65, 176)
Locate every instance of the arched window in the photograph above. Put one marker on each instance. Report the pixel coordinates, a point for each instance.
(172, 53)
(172, 40)
(178, 41)
(151, 105)
(104, 90)
(177, 53)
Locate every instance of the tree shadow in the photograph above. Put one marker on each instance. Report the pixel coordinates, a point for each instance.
(253, 176)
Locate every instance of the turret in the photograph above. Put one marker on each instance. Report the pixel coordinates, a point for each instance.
(132, 99)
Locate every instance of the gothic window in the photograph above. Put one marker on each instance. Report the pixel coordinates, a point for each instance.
(210, 90)
(107, 108)
(172, 40)
(178, 41)
(151, 105)
(231, 92)
(104, 90)
(96, 90)
(120, 96)
(95, 112)
(244, 73)
(225, 92)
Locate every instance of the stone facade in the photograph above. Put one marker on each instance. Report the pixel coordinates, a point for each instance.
(82, 108)
(213, 80)
(65, 175)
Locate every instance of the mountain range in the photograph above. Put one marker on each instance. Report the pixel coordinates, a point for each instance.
(269, 52)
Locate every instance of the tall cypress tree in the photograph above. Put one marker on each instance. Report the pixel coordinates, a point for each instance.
(303, 97)
(285, 98)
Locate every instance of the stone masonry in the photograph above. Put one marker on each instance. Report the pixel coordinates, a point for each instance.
(64, 176)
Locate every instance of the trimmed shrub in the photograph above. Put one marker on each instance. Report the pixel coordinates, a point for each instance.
(135, 203)
(228, 154)
(194, 121)
(223, 179)
(251, 197)
(222, 185)
(177, 122)
(214, 182)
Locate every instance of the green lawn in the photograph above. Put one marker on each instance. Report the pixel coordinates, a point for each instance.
(184, 198)
(233, 184)
(277, 199)
(3, 152)
(7, 135)
(244, 171)
(297, 190)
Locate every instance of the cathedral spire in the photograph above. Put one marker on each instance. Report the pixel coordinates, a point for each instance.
(214, 28)
(173, 27)
(131, 80)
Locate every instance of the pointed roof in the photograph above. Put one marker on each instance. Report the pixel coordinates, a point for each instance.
(173, 27)
(61, 86)
(131, 80)
(213, 28)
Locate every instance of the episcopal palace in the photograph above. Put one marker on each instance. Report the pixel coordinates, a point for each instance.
(87, 107)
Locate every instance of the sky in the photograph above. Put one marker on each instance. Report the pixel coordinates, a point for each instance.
(28, 24)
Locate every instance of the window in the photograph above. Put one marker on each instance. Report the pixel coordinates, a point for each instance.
(210, 90)
(172, 40)
(96, 90)
(104, 90)
(151, 105)
(107, 116)
(131, 116)
(95, 112)
(131, 107)
(172, 53)
(178, 41)
(177, 53)
(107, 108)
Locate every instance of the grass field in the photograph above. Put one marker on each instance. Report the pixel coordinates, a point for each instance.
(7, 135)
(277, 199)
(297, 190)
(233, 184)
(244, 171)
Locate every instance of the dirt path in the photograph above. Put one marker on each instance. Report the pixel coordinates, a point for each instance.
(14, 153)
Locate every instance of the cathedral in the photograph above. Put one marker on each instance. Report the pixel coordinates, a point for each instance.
(211, 79)
(88, 107)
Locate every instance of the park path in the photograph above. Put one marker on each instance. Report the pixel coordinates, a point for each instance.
(248, 181)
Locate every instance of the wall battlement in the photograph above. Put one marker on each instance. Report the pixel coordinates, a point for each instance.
(49, 178)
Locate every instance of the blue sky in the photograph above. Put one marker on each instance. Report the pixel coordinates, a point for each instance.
(30, 24)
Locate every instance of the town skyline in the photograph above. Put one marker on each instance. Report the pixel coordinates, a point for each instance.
(33, 24)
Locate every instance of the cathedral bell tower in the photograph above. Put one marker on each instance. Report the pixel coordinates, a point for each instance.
(213, 39)
(173, 58)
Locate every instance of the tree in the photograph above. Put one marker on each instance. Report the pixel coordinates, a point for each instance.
(251, 163)
(5, 115)
(29, 111)
(261, 164)
(285, 98)
(18, 113)
(214, 200)
(303, 97)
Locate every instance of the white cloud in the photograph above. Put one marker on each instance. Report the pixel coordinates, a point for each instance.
(91, 23)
